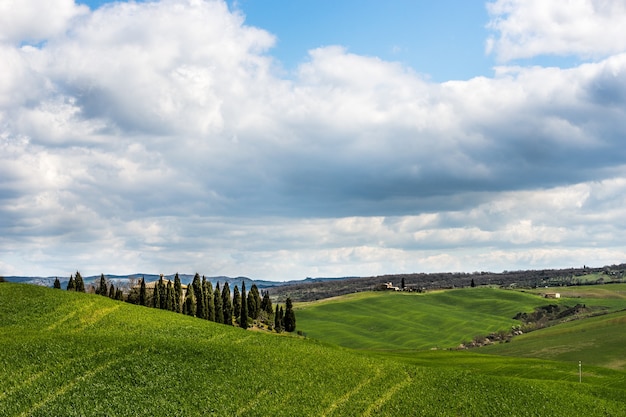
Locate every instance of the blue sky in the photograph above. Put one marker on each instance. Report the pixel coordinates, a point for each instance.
(443, 40)
(281, 140)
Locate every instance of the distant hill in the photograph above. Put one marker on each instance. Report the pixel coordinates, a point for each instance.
(310, 289)
(132, 279)
(320, 289)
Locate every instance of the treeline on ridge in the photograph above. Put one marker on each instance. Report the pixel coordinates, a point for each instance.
(200, 299)
(310, 291)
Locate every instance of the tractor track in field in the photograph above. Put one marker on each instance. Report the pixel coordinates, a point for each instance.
(344, 398)
(386, 396)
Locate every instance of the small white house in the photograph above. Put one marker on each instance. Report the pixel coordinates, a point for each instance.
(552, 295)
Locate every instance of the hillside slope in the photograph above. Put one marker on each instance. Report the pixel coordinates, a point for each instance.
(599, 341)
(389, 320)
(73, 354)
(440, 319)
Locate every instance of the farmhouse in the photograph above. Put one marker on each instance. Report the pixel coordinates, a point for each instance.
(552, 295)
(389, 286)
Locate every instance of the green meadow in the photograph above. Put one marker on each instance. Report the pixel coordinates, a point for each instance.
(435, 320)
(391, 320)
(73, 354)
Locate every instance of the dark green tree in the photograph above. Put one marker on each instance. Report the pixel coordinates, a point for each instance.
(178, 294)
(102, 288)
(112, 291)
(236, 303)
(80, 284)
(217, 299)
(266, 303)
(243, 317)
(71, 284)
(227, 305)
(57, 283)
(119, 294)
(142, 293)
(277, 319)
(156, 296)
(196, 285)
(169, 303)
(189, 307)
(162, 293)
(402, 284)
(290, 317)
(208, 300)
(472, 284)
(279, 323)
(254, 302)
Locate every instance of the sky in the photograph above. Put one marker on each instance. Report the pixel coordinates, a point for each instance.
(283, 140)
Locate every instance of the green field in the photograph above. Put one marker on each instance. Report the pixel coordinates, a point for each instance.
(442, 319)
(389, 320)
(73, 354)
(595, 341)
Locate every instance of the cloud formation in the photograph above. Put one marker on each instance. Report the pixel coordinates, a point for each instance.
(160, 136)
(585, 28)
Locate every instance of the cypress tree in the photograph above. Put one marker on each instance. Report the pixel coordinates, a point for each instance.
(281, 321)
(112, 291)
(277, 320)
(119, 295)
(169, 304)
(227, 306)
(236, 303)
(257, 299)
(162, 294)
(178, 294)
(217, 299)
(71, 284)
(156, 297)
(102, 287)
(57, 283)
(254, 302)
(243, 317)
(290, 317)
(208, 300)
(196, 287)
(80, 284)
(142, 293)
(189, 307)
(266, 303)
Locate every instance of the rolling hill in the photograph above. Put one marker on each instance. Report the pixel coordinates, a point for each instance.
(71, 354)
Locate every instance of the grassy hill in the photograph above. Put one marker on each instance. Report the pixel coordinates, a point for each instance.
(71, 354)
(442, 319)
(389, 320)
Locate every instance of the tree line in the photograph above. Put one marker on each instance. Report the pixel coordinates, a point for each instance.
(200, 299)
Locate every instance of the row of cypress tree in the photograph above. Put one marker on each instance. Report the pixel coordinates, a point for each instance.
(76, 283)
(201, 300)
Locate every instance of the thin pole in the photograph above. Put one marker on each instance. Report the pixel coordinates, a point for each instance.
(580, 371)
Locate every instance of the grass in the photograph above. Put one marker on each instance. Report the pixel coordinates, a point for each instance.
(597, 341)
(442, 319)
(596, 292)
(76, 354)
(387, 320)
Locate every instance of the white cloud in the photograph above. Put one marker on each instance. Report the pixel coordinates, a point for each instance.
(35, 21)
(156, 137)
(528, 28)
